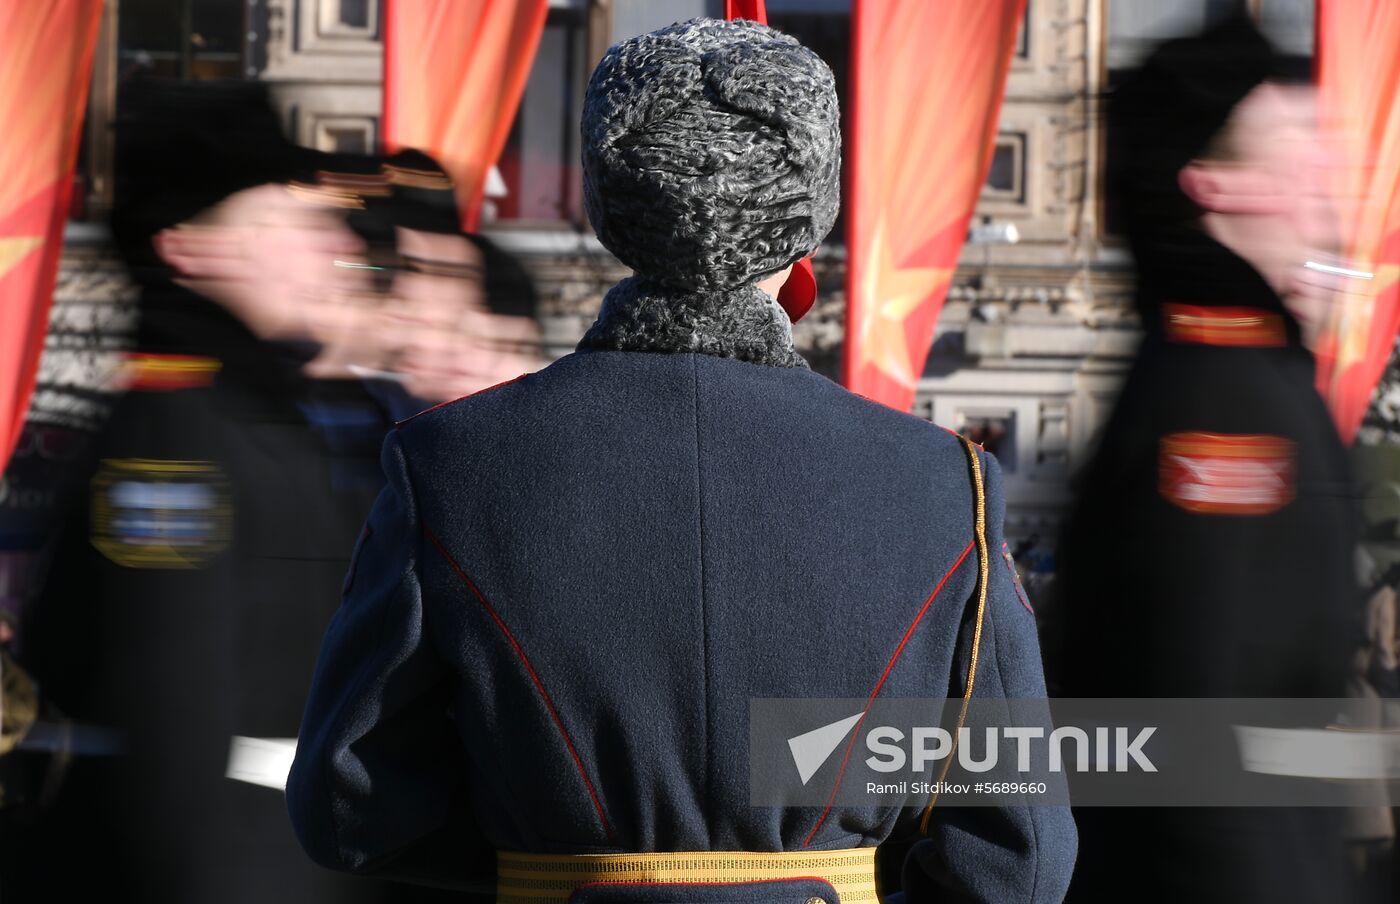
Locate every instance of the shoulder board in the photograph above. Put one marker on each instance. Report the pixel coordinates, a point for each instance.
(167, 373)
(1236, 327)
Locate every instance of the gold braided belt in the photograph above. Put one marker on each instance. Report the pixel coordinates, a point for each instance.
(551, 878)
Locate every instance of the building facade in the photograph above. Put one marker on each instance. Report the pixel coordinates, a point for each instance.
(1035, 335)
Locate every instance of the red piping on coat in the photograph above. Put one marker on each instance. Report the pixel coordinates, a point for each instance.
(469, 395)
(879, 684)
(534, 677)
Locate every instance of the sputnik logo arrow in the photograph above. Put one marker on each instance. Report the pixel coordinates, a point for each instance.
(811, 750)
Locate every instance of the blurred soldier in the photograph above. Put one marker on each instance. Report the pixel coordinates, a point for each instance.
(191, 588)
(461, 311)
(462, 316)
(1211, 551)
(575, 582)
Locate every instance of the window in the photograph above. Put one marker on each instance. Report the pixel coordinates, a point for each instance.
(354, 14)
(184, 39)
(994, 431)
(540, 172)
(164, 39)
(340, 21)
(1135, 27)
(540, 167)
(342, 135)
(1290, 24)
(825, 27)
(1006, 177)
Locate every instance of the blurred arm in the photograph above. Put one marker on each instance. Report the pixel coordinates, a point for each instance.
(377, 785)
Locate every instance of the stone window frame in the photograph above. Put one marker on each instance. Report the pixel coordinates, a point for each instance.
(1018, 140)
(1111, 243)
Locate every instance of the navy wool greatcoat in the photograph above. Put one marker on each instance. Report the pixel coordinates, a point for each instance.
(575, 582)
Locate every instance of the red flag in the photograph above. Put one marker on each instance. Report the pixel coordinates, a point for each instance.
(1359, 82)
(928, 83)
(746, 9)
(45, 67)
(454, 73)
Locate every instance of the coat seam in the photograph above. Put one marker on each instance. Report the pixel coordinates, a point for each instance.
(1030, 810)
(704, 609)
(1001, 685)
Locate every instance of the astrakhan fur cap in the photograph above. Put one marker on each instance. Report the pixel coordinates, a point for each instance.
(711, 153)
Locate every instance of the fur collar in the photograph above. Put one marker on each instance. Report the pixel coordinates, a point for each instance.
(641, 315)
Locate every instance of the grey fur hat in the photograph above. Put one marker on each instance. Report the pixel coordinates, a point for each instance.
(711, 157)
(711, 152)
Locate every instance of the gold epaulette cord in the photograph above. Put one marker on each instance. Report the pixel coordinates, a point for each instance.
(979, 528)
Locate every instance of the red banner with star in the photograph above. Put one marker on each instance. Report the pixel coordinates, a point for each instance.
(454, 74)
(928, 84)
(1358, 66)
(45, 67)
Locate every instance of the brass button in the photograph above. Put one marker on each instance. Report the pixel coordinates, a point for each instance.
(816, 901)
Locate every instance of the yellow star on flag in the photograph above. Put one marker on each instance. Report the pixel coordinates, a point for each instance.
(15, 249)
(1356, 313)
(892, 294)
(1386, 276)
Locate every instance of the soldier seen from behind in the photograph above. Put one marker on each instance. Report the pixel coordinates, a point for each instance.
(574, 584)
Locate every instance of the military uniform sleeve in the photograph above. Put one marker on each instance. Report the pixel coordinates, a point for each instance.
(377, 784)
(996, 854)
